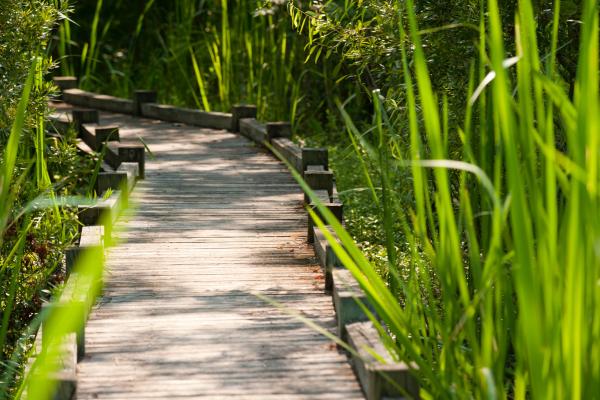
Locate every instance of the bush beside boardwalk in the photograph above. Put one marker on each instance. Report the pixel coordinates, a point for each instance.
(32, 242)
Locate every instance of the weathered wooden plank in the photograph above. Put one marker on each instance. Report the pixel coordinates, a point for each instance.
(215, 120)
(64, 380)
(132, 171)
(379, 380)
(327, 257)
(253, 130)
(347, 295)
(290, 151)
(280, 129)
(98, 101)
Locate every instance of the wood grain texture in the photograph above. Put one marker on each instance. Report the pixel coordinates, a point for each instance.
(216, 222)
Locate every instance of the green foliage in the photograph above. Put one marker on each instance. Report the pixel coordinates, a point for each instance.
(363, 39)
(208, 55)
(32, 238)
(497, 265)
(26, 30)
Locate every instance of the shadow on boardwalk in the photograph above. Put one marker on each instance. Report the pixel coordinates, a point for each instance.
(217, 220)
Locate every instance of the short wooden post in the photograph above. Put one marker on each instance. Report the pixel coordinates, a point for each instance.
(278, 129)
(107, 133)
(65, 83)
(240, 111)
(314, 156)
(134, 153)
(381, 377)
(72, 254)
(84, 116)
(347, 294)
(143, 96)
(337, 210)
(318, 179)
(80, 309)
(110, 180)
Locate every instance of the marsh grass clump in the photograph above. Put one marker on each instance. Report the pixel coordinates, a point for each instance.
(500, 225)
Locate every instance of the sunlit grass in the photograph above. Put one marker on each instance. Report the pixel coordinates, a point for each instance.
(501, 295)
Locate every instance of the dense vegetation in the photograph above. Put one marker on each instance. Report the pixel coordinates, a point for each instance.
(33, 167)
(464, 141)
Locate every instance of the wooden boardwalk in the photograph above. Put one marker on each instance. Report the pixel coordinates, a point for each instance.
(217, 221)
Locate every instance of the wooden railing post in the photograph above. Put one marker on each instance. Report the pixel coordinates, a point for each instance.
(143, 96)
(278, 130)
(315, 156)
(84, 116)
(107, 133)
(64, 83)
(337, 209)
(240, 111)
(134, 153)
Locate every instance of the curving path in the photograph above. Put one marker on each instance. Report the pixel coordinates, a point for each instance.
(217, 221)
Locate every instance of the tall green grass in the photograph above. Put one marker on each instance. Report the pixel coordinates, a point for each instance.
(7, 196)
(500, 296)
(207, 55)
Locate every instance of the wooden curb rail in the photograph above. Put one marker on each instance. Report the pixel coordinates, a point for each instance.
(93, 239)
(378, 380)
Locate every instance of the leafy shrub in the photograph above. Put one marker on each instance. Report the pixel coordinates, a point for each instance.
(32, 241)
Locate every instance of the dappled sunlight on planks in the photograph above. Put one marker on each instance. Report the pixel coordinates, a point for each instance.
(216, 221)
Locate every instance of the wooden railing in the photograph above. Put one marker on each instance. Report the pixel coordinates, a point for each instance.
(378, 379)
